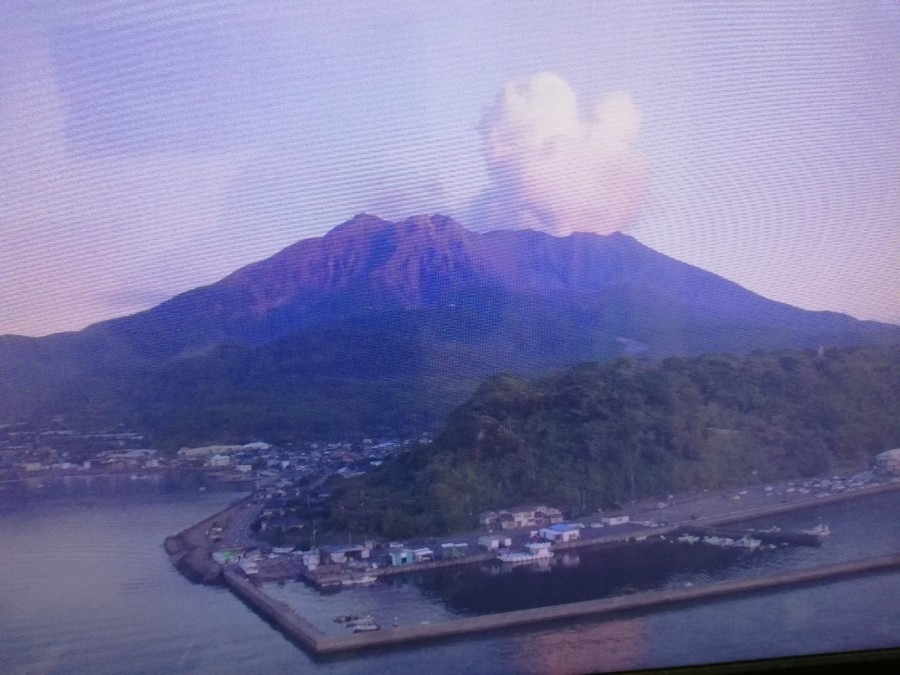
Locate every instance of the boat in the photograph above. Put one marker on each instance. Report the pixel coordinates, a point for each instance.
(367, 579)
(718, 541)
(363, 623)
(248, 566)
(820, 531)
(821, 528)
(748, 542)
(535, 551)
(688, 538)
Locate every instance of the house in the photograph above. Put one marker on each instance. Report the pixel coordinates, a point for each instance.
(547, 515)
(401, 556)
(493, 542)
(888, 462)
(343, 554)
(423, 555)
(521, 516)
(311, 559)
(560, 532)
(450, 550)
(617, 518)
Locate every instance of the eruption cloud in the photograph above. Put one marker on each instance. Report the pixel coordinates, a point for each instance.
(555, 171)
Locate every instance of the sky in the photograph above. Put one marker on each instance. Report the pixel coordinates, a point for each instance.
(150, 148)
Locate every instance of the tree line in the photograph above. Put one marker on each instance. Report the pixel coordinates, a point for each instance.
(600, 434)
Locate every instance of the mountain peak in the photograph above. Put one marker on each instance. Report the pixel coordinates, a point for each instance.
(360, 224)
(367, 225)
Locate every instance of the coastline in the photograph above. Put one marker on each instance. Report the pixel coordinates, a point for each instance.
(190, 551)
(717, 509)
(816, 500)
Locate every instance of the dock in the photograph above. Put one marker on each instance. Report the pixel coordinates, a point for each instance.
(303, 633)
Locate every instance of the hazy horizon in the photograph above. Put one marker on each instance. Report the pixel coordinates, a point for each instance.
(153, 149)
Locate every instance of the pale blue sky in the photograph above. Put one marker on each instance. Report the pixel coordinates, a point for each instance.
(148, 148)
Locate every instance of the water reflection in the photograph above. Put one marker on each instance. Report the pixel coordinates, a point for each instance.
(589, 574)
(584, 648)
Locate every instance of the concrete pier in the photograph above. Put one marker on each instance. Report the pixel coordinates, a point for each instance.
(315, 641)
(278, 613)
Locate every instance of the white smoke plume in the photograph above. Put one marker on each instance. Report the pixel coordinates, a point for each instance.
(555, 171)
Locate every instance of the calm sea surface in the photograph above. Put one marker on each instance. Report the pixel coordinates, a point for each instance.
(85, 587)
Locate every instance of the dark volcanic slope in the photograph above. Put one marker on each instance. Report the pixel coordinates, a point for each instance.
(620, 287)
(423, 307)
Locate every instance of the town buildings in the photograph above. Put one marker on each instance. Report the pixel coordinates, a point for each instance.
(521, 516)
(888, 462)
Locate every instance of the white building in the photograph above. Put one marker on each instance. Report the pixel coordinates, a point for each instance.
(888, 462)
(614, 519)
(561, 532)
(521, 516)
(492, 542)
(423, 554)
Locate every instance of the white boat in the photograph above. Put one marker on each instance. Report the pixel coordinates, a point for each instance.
(367, 579)
(363, 624)
(688, 538)
(748, 542)
(536, 551)
(248, 566)
(820, 529)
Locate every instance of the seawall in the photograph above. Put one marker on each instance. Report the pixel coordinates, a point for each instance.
(799, 505)
(190, 551)
(278, 613)
(311, 638)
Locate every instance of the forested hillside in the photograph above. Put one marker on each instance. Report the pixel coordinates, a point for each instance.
(601, 433)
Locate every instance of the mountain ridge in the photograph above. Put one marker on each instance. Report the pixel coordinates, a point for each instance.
(461, 304)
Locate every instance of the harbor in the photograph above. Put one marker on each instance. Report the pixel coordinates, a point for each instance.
(196, 552)
(143, 594)
(303, 633)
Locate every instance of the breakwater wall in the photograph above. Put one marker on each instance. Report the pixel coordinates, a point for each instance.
(315, 641)
(279, 614)
(190, 550)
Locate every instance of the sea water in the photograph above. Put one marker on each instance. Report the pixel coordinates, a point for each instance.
(85, 587)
